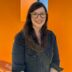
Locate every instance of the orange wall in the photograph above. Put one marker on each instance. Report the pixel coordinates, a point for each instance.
(60, 21)
(9, 25)
(25, 4)
(60, 15)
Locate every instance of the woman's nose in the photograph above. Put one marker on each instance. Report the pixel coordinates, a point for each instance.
(39, 17)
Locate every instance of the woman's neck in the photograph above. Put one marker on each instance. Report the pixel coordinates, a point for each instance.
(38, 34)
(37, 29)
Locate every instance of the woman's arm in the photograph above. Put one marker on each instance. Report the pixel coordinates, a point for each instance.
(55, 61)
(18, 54)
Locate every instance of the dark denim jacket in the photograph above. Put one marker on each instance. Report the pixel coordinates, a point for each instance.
(28, 60)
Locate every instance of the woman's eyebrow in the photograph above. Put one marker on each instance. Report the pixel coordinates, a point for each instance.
(38, 13)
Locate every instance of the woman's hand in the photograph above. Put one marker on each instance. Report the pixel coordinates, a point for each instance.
(53, 70)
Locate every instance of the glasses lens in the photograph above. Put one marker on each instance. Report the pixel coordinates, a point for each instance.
(35, 15)
(43, 15)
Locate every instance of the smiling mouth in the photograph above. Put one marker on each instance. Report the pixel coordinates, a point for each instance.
(39, 22)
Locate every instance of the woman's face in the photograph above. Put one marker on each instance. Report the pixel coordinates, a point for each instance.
(38, 17)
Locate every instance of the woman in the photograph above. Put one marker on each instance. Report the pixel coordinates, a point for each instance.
(35, 48)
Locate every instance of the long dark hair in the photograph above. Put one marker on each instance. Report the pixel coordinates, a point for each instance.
(28, 24)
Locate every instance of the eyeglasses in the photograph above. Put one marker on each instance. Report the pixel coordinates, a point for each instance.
(35, 15)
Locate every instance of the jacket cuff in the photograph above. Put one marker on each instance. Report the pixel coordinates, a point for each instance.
(56, 67)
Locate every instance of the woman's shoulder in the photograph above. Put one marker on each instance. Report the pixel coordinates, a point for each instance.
(51, 36)
(50, 33)
(19, 38)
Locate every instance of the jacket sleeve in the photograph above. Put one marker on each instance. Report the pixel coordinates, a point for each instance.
(18, 55)
(55, 61)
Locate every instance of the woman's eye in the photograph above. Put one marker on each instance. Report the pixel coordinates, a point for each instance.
(43, 14)
(34, 14)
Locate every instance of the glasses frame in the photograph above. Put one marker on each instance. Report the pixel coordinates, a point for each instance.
(40, 14)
